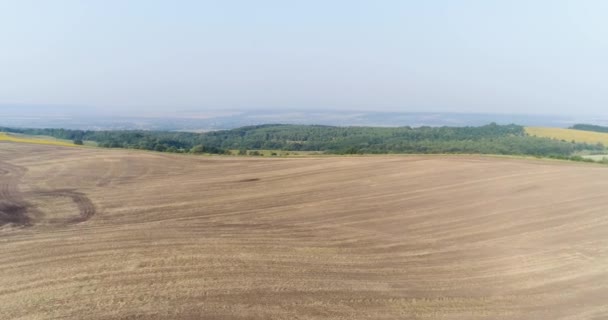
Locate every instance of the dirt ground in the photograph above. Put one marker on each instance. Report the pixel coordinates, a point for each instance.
(114, 234)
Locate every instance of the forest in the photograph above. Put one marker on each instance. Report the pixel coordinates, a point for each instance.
(488, 139)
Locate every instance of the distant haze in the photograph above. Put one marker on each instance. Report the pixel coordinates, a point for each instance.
(191, 57)
(98, 119)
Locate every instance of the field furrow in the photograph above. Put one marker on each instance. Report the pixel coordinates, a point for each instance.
(118, 234)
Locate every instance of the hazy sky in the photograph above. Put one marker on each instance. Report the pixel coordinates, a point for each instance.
(527, 56)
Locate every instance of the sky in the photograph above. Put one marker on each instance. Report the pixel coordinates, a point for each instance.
(510, 56)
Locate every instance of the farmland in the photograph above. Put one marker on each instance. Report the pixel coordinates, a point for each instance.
(89, 233)
(569, 135)
(11, 137)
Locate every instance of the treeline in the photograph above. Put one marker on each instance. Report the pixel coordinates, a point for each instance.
(590, 127)
(488, 139)
(163, 141)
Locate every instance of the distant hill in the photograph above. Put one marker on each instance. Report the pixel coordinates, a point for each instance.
(209, 120)
(590, 127)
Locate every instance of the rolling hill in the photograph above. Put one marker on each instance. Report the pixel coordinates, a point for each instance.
(114, 234)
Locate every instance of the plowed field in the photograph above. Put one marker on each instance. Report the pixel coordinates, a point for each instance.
(112, 234)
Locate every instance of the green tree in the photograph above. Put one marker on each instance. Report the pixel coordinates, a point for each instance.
(198, 149)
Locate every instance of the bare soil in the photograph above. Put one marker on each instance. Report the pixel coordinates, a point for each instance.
(115, 234)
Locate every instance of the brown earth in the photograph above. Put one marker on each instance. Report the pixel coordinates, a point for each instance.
(111, 234)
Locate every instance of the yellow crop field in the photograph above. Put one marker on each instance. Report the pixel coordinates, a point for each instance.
(569, 134)
(15, 138)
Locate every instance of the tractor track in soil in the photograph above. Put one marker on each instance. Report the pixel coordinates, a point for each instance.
(15, 209)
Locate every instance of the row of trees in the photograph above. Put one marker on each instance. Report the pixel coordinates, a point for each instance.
(488, 139)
